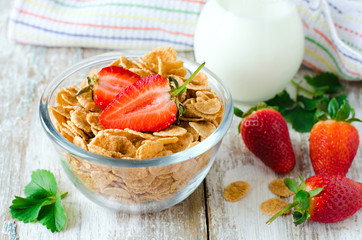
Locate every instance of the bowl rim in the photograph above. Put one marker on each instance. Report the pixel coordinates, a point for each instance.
(109, 57)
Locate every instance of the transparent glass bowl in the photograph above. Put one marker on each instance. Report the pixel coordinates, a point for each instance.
(128, 185)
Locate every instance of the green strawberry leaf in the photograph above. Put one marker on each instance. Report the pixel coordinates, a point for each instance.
(291, 184)
(312, 103)
(282, 100)
(315, 192)
(333, 107)
(301, 195)
(325, 82)
(25, 209)
(238, 112)
(343, 112)
(43, 184)
(302, 120)
(42, 203)
(305, 204)
(53, 216)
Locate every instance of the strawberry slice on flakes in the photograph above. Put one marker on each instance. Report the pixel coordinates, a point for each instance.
(108, 83)
(149, 104)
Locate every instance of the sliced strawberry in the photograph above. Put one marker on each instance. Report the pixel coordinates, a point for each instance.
(111, 81)
(144, 106)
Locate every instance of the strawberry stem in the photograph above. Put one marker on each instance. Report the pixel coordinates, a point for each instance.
(281, 212)
(299, 87)
(177, 91)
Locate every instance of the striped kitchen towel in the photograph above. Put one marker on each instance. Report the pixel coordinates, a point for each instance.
(333, 28)
(113, 24)
(333, 36)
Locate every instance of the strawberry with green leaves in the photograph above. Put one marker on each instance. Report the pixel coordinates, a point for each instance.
(265, 133)
(108, 83)
(323, 198)
(149, 104)
(334, 142)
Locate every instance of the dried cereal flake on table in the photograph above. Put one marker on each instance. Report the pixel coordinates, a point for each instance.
(171, 131)
(273, 206)
(236, 191)
(204, 129)
(278, 187)
(149, 149)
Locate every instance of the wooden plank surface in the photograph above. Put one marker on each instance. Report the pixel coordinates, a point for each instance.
(26, 70)
(243, 219)
(24, 147)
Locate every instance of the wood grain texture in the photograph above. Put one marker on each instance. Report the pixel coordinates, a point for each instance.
(243, 219)
(25, 72)
(24, 147)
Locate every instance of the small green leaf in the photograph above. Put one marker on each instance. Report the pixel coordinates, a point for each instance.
(343, 112)
(291, 184)
(319, 116)
(333, 107)
(327, 81)
(43, 184)
(302, 120)
(302, 185)
(315, 192)
(26, 210)
(53, 216)
(341, 98)
(238, 112)
(297, 215)
(309, 103)
(305, 204)
(282, 100)
(301, 195)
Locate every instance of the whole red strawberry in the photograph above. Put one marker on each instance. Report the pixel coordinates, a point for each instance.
(323, 198)
(265, 133)
(149, 104)
(334, 143)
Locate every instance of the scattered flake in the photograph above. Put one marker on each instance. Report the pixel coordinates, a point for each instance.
(273, 206)
(236, 191)
(278, 187)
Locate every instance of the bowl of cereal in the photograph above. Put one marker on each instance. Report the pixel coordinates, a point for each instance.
(131, 170)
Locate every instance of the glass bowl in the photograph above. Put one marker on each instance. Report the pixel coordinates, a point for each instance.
(128, 185)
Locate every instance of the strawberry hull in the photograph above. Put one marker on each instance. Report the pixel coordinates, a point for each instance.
(340, 198)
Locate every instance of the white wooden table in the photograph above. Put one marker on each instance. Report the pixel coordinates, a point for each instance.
(26, 70)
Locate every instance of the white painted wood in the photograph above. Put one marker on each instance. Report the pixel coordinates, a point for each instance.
(243, 219)
(24, 73)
